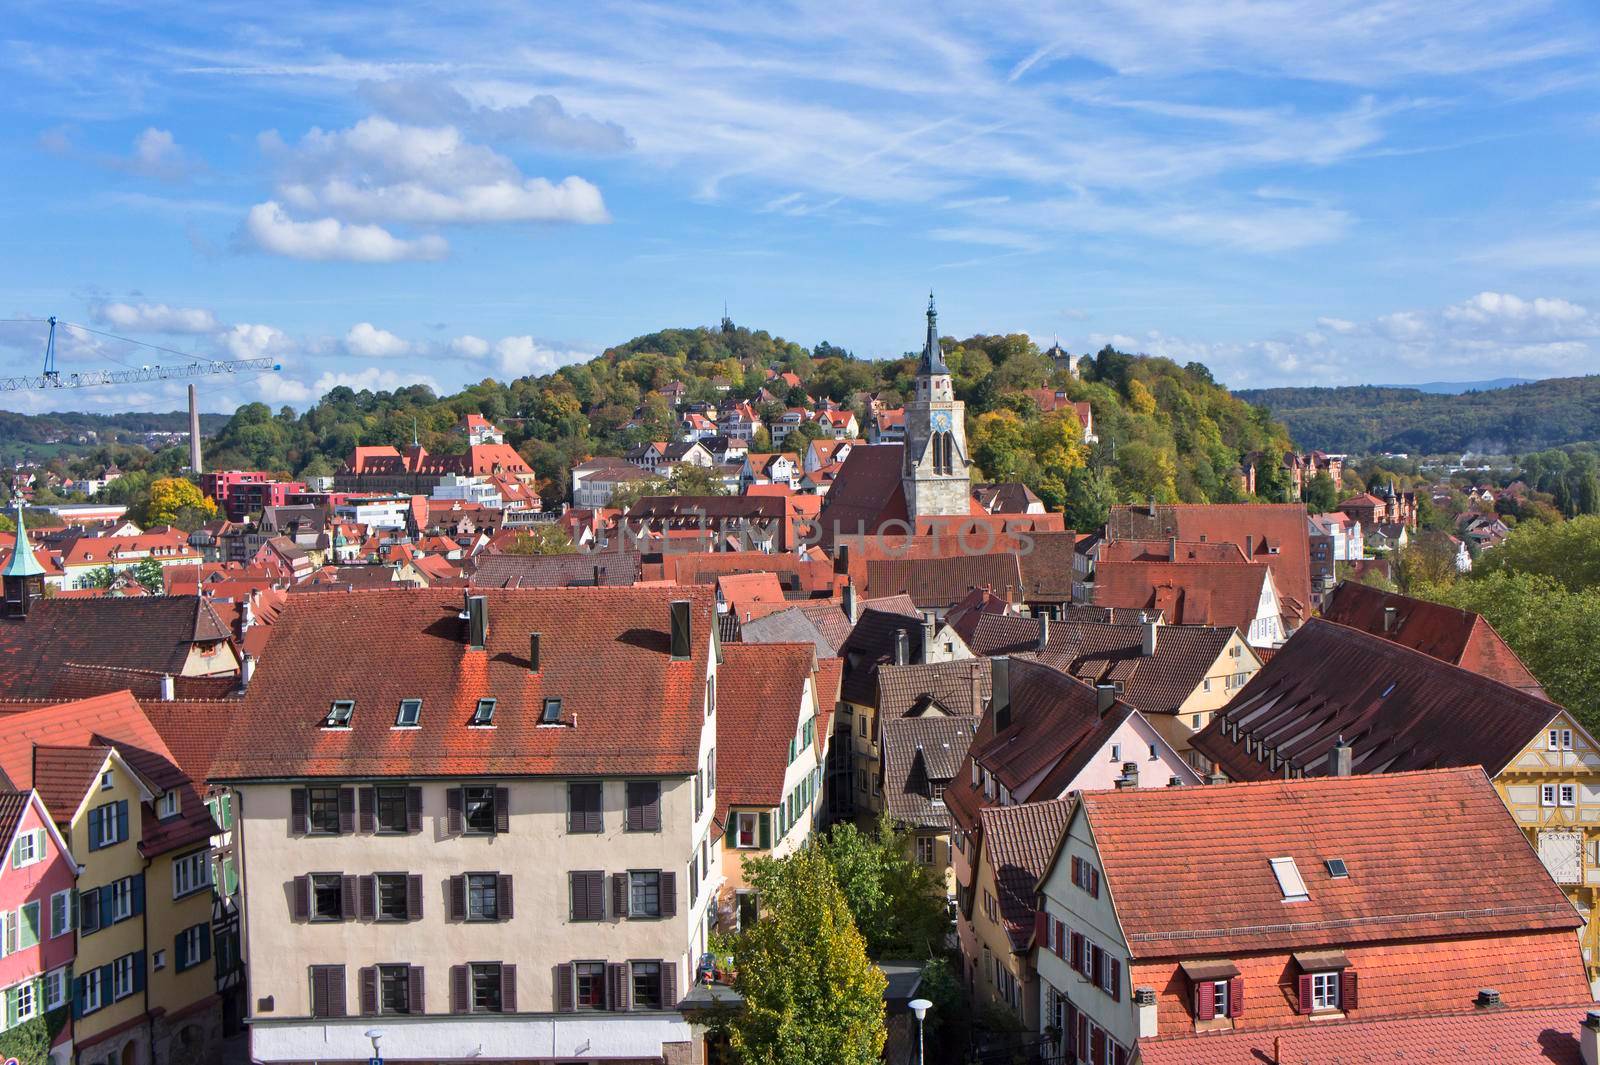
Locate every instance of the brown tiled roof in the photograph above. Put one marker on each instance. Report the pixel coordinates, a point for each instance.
(1429, 855)
(1157, 684)
(871, 644)
(1399, 709)
(1459, 637)
(1542, 1035)
(867, 492)
(917, 750)
(1189, 593)
(759, 708)
(1018, 842)
(1047, 567)
(194, 730)
(62, 776)
(940, 583)
(959, 687)
(12, 806)
(1005, 497)
(605, 652)
(1258, 529)
(1170, 551)
(556, 571)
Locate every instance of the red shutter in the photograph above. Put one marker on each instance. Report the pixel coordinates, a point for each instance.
(369, 897)
(1097, 1042)
(1236, 997)
(1077, 952)
(459, 1002)
(414, 897)
(297, 811)
(348, 889)
(1114, 980)
(369, 991)
(369, 809)
(1077, 871)
(619, 894)
(1094, 881)
(458, 898)
(669, 984)
(617, 984)
(1305, 993)
(415, 987)
(669, 893)
(564, 993)
(1347, 989)
(1119, 1056)
(1205, 1000)
(413, 809)
(452, 802)
(300, 898)
(508, 989)
(1041, 929)
(502, 809)
(347, 810)
(503, 897)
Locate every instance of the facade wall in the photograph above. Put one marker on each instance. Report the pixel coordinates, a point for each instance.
(996, 974)
(168, 914)
(1095, 918)
(37, 883)
(100, 869)
(1135, 740)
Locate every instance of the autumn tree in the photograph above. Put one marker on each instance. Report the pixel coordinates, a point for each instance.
(548, 539)
(171, 495)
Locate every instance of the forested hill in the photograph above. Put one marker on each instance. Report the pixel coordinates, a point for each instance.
(1367, 418)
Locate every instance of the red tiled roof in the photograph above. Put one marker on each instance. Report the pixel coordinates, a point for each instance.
(1165, 550)
(1018, 842)
(605, 653)
(1257, 528)
(12, 806)
(939, 583)
(758, 712)
(62, 775)
(1189, 593)
(751, 594)
(867, 492)
(1429, 855)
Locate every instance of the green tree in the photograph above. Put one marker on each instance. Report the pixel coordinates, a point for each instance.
(810, 992)
(896, 902)
(1568, 552)
(148, 572)
(1090, 497)
(99, 577)
(547, 539)
(1322, 495)
(688, 479)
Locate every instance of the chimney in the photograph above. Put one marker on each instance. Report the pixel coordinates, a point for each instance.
(1249, 548)
(850, 600)
(1149, 646)
(597, 576)
(1339, 759)
(247, 613)
(1217, 777)
(680, 629)
(1172, 549)
(1488, 999)
(477, 621)
(1389, 615)
(1130, 775)
(247, 671)
(533, 652)
(1144, 1000)
(841, 559)
(168, 688)
(1044, 631)
(1589, 1038)
(1150, 508)
(1104, 696)
(902, 647)
(929, 627)
(1000, 695)
(1174, 782)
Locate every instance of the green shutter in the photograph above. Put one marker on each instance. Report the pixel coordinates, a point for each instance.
(28, 935)
(11, 1008)
(230, 874)
(765, 820)
(227, 810)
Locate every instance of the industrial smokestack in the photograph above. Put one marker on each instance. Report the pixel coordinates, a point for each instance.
(194, 432)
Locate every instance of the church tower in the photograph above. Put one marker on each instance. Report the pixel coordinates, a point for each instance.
(934, 471)
(23, 577)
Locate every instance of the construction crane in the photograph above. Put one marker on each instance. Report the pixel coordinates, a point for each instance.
(50, 377)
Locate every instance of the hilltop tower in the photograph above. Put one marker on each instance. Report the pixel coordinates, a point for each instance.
(934, 470)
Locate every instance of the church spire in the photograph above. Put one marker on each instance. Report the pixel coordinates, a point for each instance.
(22, 563)
(932, 354)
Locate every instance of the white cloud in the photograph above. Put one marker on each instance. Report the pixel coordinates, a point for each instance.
(372, 378)
(541, 120)
(249, 341)
(278, 389)
(1337, 325)
(1497, 306)
(469, 346)
(520, 356)
(368, 341)
(532, 200)
(155, 318)
(324, 239)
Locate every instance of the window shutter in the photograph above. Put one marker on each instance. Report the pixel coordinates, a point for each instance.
(347, 897)
(458, 989)
(1061, 936)
(453, 809)
(1094, 881)
(1114, 980)
(765, 820)
(414, 897)
(1097, 1043)
(336, 1006)
(369, 897)
(635, 815)
(1305, 993)
(596, 889)
(1077, 952)
(502, 809)
(205, 942)
(1077, 870)
(1236, 997)
(564, 993)
(1205, 1006)
(347, 811)
(1041, 929)
(415, 988)
(300, 898)
(97, 816)
(122, 819)
(621, 997)
(369, 809)
(619, 894)
(508, 989)
(669, 984)
(319, 992)
(458, 898)
(1347, 989)
(503, 897)
(669, 893)
(652, 808)
(138, 894)
(369, 991)
(413, 809)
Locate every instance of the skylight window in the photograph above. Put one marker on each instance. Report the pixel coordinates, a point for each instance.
(552, 712)
(483, 716)
(1337, 869)
(1289, 880)
(339, 713)
(410, 713)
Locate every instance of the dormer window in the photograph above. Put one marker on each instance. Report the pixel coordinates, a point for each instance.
(167, 805)
(409, 714)
(483, 716)
(551, 715)
(339, 713)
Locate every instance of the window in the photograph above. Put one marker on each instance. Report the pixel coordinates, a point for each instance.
(55, 989)
(339, 714)
(193, 946)
(107, 781)
(60, 913)
(1194, 722)
(393, 897)
(393, 810)
(551, 714)
(24, 1002)
(108, 824)
(327, 897)
(122, 977)
(122, 899)
(1324, 991)
(584, 799)
(644, 893)
(483, 716)
(167, 806)
(1547, 795)
(322, 810)
(190, 873)
(1219, 997)
(1560, 739)
(479, 809)
(863, 724)
(936, 790)
(158, 960)
(746, 836)
(394, 989)
(1116, 752)
(926, 849)
(590, 977)
(409, 715)
(587, 895)
(28, 927)
(1153, 755)
(93, 991)
(646, 985)
(28, 848)
(485, 987)
(1569, 795)
(483, 897)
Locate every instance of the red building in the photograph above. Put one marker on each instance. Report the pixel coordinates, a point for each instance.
(37, 877)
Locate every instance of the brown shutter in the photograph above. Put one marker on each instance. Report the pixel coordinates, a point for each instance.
(620, 988)
(619, 894)
(348, 889)
(459, 1003)
(369, 809)
(669, 893)
(1236, 997)
(347, 811)
(453, 809)
(1205, 1005)
(669, 984)
(319, 991)
(413, 809)
(458, 898)
(369, 991)
(508, 989)
(596, 891)
(1114, 981)
(416, 988)
(652, 807)
(502, 809)
(369, 898)
(503, 897)
(564, 991)
(336, 1006)
(635, 819)
(414, 897)
(1094, 881)
(300, 898)
(1347, 989)
(1041, 929)
(1304, 984)
(298, 818)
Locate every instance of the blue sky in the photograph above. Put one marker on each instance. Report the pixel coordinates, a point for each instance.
(1293, 191)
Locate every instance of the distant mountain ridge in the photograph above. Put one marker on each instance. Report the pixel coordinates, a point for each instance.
(1455, 388)
(1370, 418)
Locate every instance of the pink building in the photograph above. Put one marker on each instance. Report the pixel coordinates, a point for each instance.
(36, 880)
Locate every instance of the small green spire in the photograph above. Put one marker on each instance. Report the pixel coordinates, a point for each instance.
(21, 563)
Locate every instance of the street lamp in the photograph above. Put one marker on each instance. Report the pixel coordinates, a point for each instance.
(920, 1006)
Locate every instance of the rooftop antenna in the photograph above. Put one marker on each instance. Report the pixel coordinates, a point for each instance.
(51, 374)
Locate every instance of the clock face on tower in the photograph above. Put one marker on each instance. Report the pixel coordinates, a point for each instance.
(940, 421)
